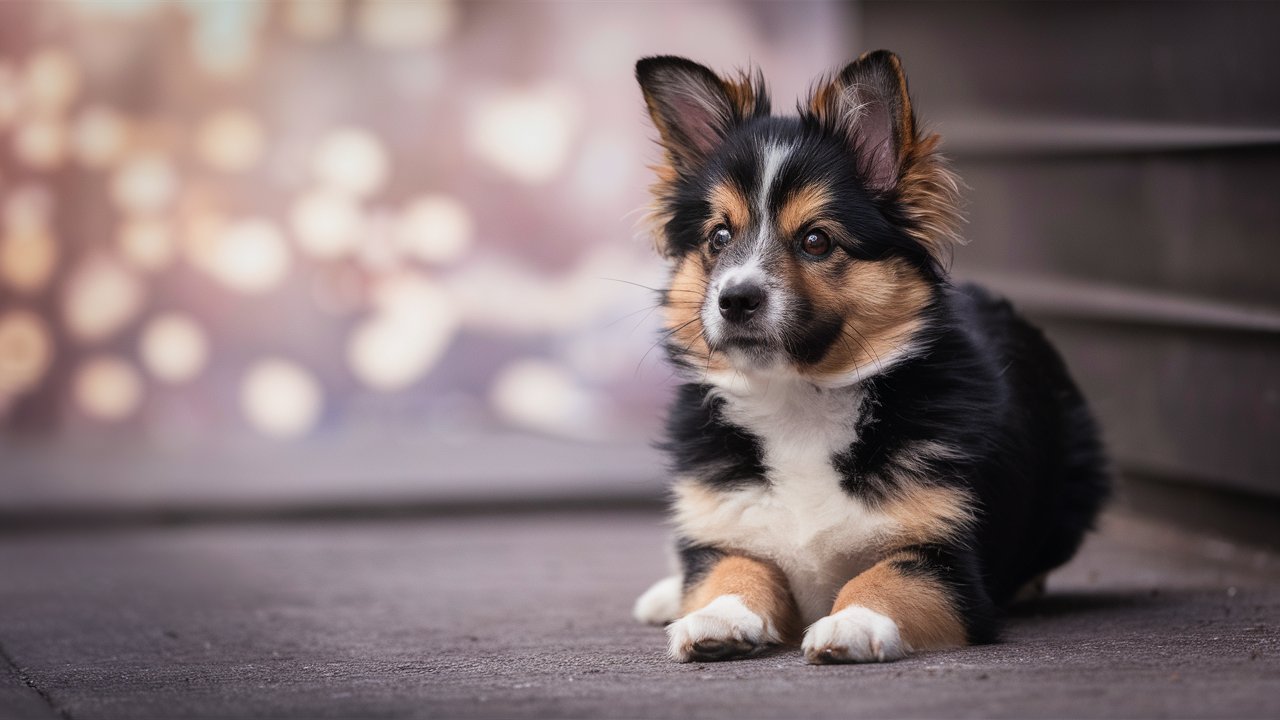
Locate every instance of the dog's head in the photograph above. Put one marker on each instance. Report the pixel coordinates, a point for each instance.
(811, 243)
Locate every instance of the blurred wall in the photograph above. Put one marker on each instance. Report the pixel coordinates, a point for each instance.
(1122, 162)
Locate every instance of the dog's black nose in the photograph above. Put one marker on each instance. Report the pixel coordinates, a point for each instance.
(741, 300)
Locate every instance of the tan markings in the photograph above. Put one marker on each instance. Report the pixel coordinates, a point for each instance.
(801, 209)
(923, 608)
(905, 126)
(880, 303)
(727, 203)
(761, 586)
(659, 210)
(929, 194)
(745, 91)
(683, 309)
(928, 514)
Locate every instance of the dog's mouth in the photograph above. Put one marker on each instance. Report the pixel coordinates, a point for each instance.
(754, 345)
(746, 342)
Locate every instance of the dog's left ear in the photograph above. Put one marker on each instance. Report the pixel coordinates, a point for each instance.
(867, 103)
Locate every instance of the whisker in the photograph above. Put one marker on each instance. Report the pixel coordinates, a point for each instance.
(633, 313)
(661, 340)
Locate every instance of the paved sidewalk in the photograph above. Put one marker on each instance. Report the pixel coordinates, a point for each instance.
(527, 616)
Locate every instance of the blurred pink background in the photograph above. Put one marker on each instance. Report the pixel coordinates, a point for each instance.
(327, 249)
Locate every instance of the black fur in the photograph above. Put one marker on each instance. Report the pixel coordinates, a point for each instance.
(987, 383)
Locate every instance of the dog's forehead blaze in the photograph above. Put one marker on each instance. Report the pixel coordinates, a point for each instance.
(880, 304)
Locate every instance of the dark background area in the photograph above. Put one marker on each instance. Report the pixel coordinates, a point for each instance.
(1121, 161)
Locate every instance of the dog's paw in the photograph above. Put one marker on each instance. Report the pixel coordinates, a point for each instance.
(723, 629)
(660, 604)
(855, 634)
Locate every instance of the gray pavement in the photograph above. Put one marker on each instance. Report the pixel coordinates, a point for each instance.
(528, 616)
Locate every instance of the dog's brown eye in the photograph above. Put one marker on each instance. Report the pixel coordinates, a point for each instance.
(720, 237)
(816, 243)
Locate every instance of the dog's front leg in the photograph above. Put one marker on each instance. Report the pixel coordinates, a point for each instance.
(925, 597)
(739, 606)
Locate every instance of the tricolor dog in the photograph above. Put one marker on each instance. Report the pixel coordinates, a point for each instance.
(866, 458)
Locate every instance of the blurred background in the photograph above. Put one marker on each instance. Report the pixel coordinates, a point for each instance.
(345, 253)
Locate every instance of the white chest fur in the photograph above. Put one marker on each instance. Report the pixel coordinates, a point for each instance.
(801, 519)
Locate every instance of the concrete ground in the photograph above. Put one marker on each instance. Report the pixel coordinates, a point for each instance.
(528, 616)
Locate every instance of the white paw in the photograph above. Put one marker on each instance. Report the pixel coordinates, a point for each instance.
(660, 604)
(855, 634)
(723, 629)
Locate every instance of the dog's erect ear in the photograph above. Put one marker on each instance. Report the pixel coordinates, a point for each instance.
(867, 102)
(693, 108)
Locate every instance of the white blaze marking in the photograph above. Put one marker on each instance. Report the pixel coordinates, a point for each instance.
(774, 155)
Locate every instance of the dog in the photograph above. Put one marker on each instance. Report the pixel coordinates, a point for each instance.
(867, 458)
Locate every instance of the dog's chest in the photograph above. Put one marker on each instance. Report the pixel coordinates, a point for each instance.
(801, 519)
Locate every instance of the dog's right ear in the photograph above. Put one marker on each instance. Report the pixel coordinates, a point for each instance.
(693, 108)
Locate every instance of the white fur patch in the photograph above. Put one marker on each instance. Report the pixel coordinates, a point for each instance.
(660, 604)
(725, 620)
(774, 155)
(855, 634)
(801, 519)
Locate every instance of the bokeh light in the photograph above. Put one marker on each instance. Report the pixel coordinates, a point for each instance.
(281, 398)
(28, 249)
(146, 243)
(41, 142)
(145, 183)
(326, 223)
(525, 133)
(107, 388)
(398, 24)
(541, 396)
(226, 35)
(435, 229)
(125, 8)
(51, 82)
(250, 256)
(28, 256)
(230, 140)
(351, 160)
(26, 350)
(174, 348)
(101, 297)
(409, 332)
(314, 19)
(99, 136)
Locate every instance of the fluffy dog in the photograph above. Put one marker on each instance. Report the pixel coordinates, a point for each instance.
(866, 457)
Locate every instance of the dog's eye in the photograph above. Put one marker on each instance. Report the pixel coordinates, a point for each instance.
(720, 237)
(815, 243)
